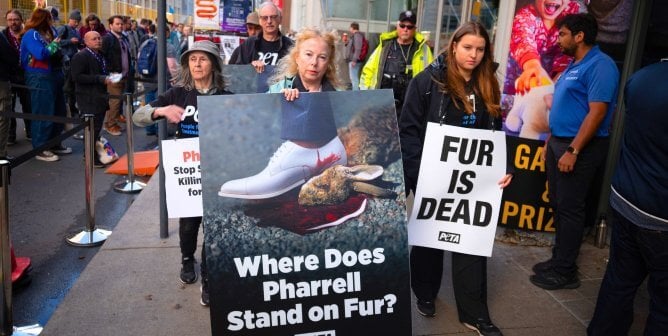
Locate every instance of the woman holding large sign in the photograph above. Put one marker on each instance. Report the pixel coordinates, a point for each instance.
(309, 131)
(458, 89)
(201, 75)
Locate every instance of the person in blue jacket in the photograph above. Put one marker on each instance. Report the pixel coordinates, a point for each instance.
(42, 61)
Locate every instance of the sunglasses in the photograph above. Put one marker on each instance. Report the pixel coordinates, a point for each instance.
(405, 26)
(269, 17)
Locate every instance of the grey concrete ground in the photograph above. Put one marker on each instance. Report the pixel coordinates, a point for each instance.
(131, 287)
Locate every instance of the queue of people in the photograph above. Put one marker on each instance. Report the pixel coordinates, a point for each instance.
(39, 56)
(459, 88)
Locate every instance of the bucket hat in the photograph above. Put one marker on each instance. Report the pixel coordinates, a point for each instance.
(207, 47)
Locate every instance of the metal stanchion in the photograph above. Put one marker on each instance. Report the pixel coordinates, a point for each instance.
(90, 236)
(6, 312)
(601, 233)
(7, 320)
(130, 185)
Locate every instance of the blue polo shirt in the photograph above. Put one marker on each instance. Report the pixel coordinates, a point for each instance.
(594, 79)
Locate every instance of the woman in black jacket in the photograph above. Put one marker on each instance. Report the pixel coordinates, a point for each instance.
(447, 92)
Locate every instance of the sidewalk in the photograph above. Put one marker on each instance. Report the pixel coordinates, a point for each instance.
(131, 287)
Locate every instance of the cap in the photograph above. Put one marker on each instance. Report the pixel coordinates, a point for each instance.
(408, 16)
(75, 15)
(253, 18)
(204, 46)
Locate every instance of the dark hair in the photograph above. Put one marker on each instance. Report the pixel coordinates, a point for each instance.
(144, 22)
(14, 11)
(355, 26)
(114, 17)
(584, 22)
(485, 82)
(92, 17)
(151, 28)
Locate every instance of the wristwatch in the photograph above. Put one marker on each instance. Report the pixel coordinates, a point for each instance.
(572, 150)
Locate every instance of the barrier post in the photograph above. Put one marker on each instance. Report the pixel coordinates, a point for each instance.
(130, 185)
(90, 236)
(7, 322)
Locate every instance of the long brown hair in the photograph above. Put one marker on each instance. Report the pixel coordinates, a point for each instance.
(41, 21)
(287, 66)
(483, 76)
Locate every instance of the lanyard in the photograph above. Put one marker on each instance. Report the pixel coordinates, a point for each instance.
(100, 60)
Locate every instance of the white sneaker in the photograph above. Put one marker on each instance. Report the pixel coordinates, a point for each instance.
(47, 156)
(289, 167)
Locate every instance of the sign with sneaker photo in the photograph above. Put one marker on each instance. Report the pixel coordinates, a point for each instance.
(457, 199)
(304, 214)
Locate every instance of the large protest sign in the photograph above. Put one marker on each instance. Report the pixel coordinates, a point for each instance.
(457, 198)
(525, 203)
(328, 257)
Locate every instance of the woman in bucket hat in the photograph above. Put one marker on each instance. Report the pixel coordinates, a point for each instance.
(201, 75)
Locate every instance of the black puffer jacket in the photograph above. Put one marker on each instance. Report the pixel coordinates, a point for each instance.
(425, 103)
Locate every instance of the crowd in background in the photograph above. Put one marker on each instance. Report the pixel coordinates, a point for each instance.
(40, 53)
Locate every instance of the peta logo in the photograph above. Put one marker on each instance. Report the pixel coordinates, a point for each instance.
(449, 237)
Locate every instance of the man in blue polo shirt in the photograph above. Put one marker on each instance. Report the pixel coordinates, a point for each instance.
(584, 100)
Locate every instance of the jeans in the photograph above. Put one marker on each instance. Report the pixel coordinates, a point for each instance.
(570, 197)
(635, 253)
(46, 98)
(354, 71)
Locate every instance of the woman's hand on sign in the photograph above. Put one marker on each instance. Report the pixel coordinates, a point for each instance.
(172, 113)
(290, 94)
(505, 180)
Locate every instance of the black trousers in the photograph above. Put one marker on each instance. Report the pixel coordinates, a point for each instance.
(188, 230)
(573, 197)
(469, 280)
(23, 96)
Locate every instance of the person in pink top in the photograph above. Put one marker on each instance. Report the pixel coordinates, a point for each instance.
(534, 53)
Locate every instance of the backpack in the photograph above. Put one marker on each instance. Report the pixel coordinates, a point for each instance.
(147, 58)
(365, 49)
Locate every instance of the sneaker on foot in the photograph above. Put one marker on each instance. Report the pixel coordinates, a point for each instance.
(47, 156)
(551, 280)
(204, 300)
(60, 149)
(121, 119)
(426, 308)
(289, 167)
(483, 327)
(188, 275)
(542, 266)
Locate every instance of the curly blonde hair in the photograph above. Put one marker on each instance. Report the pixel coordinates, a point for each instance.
(287, 66)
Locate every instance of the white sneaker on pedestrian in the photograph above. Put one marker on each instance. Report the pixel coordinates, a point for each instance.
(289, 167)
(47, 156)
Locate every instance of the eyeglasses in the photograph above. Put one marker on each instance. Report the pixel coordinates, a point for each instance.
(269, 17)
(405, 26)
